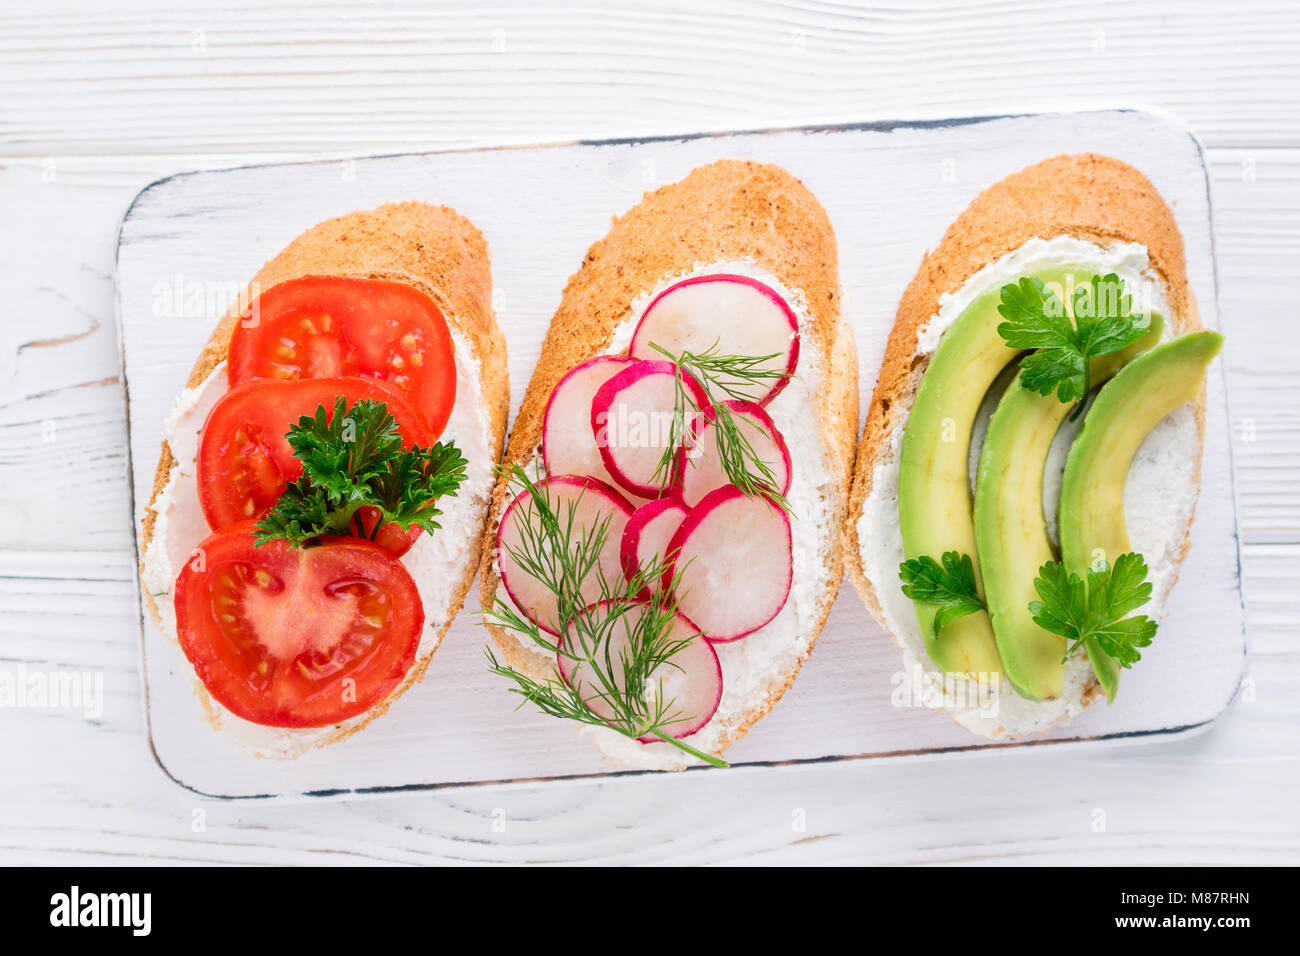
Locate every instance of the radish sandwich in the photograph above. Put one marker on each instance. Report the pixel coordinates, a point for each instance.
(666, 525)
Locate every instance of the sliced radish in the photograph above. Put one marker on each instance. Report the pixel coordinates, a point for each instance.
(632, 420)
(646, 537)
(587, 502)
(734, 556)
(688, 684)
(699, 466)
(568, 445)
(735, 314)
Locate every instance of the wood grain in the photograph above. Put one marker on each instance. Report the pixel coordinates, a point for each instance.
(116, 100)
(236, 78)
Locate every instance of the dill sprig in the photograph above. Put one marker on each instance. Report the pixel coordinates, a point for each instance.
(561, 554)
(723, 378)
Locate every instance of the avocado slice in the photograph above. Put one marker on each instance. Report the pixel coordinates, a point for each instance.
(1010, 529)
(934, 496)
(1091, 513)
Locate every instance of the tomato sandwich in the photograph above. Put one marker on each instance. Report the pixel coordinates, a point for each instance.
(325, 476)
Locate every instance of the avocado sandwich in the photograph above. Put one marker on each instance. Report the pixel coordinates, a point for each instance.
(1028, 474)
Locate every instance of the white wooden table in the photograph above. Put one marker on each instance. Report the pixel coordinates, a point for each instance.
(93, 105)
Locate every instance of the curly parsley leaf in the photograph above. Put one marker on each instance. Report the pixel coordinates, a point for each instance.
(1037, 319)
(950, 586)
(1097, 609)
(414, 480)
(354, 459)
(343, 452)
(303, 512)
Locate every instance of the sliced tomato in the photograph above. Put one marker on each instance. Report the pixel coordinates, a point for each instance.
(296, 637)
(245, 460)
(332, 326)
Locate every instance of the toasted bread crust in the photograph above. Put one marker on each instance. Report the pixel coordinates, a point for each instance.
(431, 248)
(1086, 196)
(725, 211)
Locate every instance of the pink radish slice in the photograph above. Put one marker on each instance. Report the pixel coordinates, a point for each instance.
(646, 537)
(699, 466)
(631, 419)
(568, 445)
(589, 502)
(689, 683)
(736, 314)
(734, 555)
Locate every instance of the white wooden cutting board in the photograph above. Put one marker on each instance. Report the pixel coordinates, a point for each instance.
(890, 189)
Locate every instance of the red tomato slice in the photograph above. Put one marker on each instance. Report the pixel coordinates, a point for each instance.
(245, 460)
(296, 637)
(331, 326)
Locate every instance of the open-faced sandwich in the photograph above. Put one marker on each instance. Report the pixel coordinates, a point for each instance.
(319, 504)
(666, 527)
(1028, 475)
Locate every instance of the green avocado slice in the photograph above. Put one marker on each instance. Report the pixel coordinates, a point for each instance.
(1091, 513)
(1010, 529)
(934, 495)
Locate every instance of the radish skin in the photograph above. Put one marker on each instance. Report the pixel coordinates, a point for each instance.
(736, 566)
(589, 501)
(632, 421)
(699, 467)
(731, 314)
(568, 445)
(646, 537)
(690, 679)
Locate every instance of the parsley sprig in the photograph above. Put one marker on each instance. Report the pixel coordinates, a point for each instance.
(1098, 609)
(1093, 611)
(950, 586)
(561, 553)
(723, 378)
(1037, 319)
(354, 459)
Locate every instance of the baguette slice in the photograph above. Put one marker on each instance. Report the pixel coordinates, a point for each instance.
(442, 254)
(741, 214)
(1089, 197)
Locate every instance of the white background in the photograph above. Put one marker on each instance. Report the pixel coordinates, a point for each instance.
(93, 105)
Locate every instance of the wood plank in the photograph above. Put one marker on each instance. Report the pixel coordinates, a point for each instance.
(1257, 198)
(234, 77)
